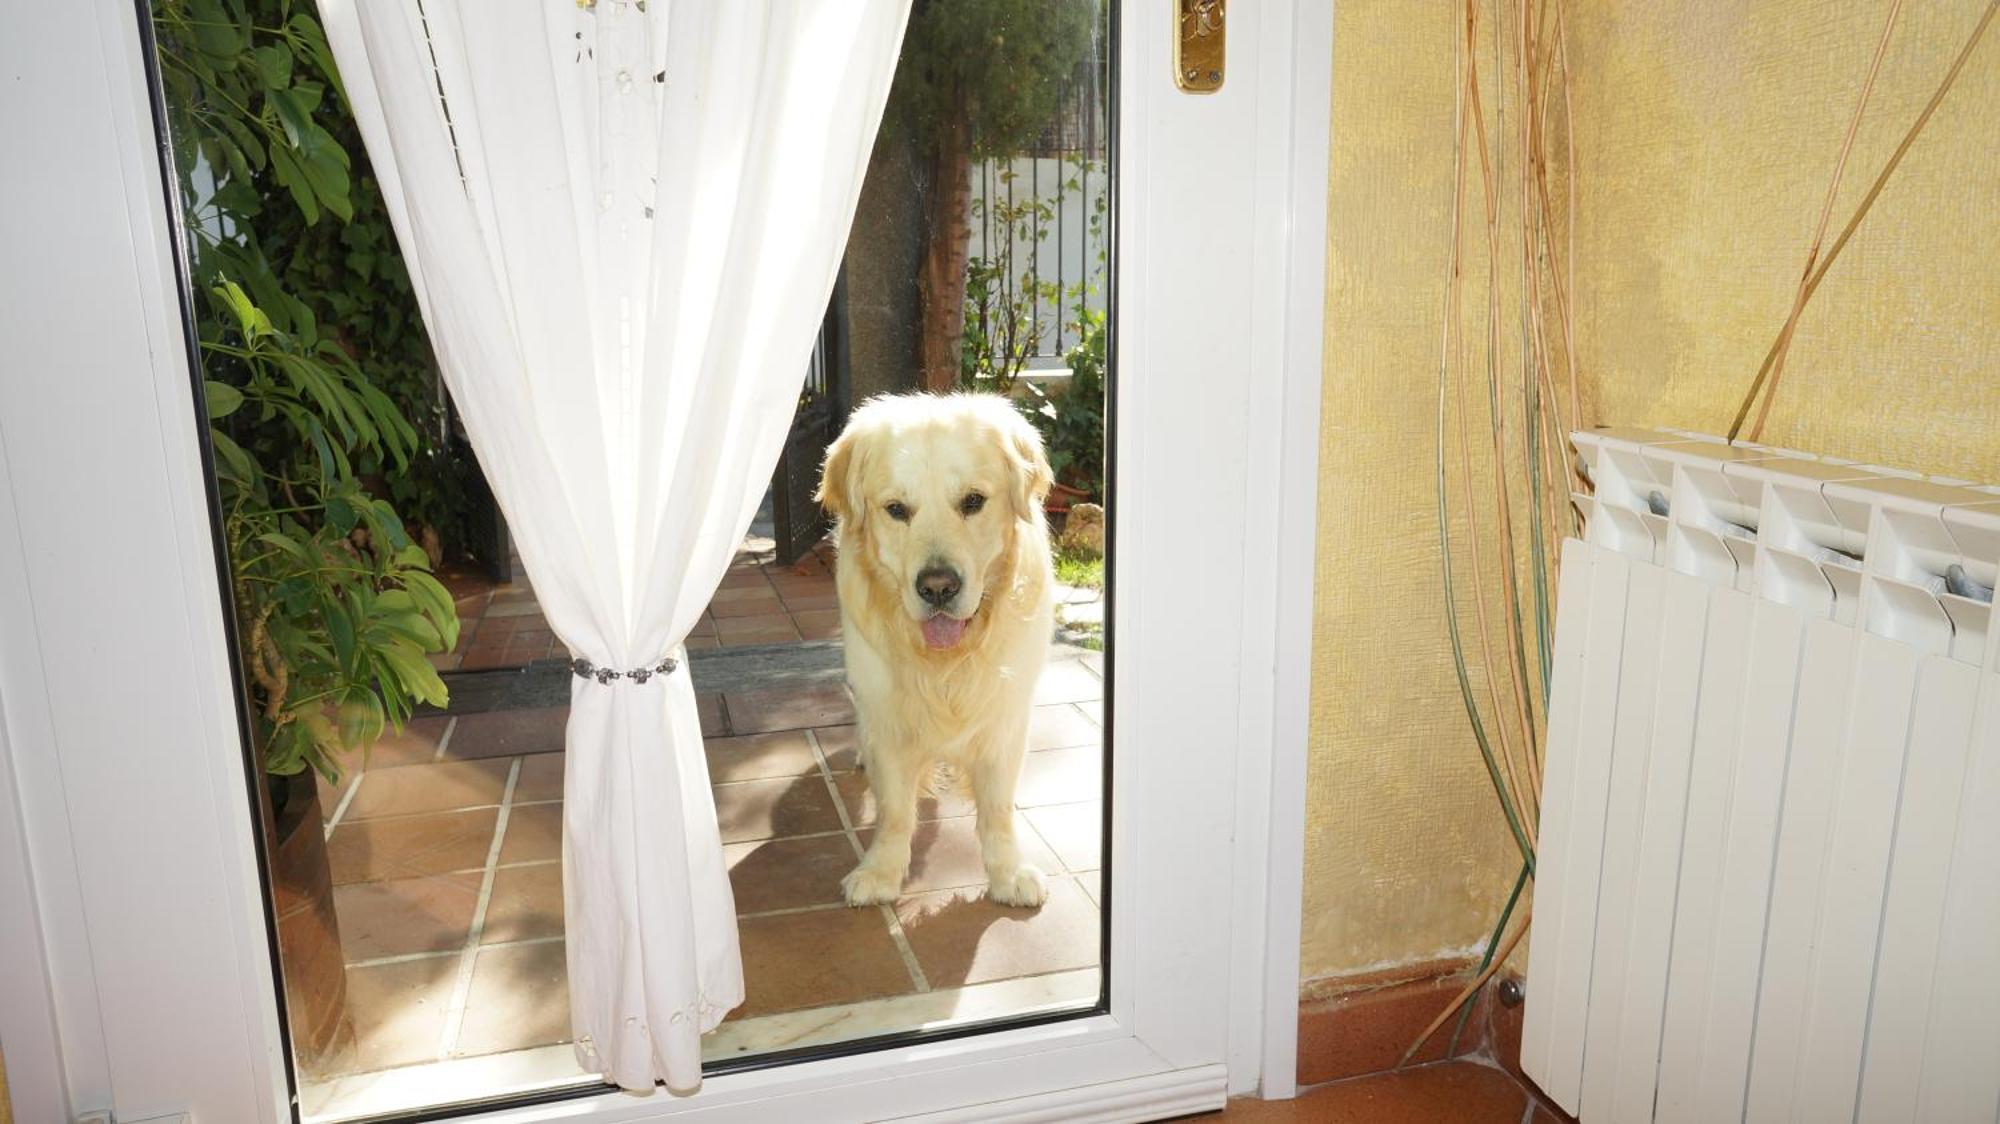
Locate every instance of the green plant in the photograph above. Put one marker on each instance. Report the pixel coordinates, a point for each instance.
(1071, 420)
(978, 78)
(337, 605)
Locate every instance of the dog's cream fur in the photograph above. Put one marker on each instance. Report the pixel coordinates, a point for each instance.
(967, 705)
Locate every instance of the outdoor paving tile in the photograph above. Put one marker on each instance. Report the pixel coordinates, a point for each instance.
(534, 833)
(1060, 726)
(962, 938)
(817, 624)
(442, 787)
(788, 873)
(749, 605)
(732, 628)
(1061, 776)
(508, 733)
(837, 744)
(488, 659)
(541, 778)
(415, 744)
(1074, 831)
(799, 960)
(526, 904)
(1066, 681)
(1091, 882)
(759, 637)
(714, 715)
(767, 809)
(946, 804)
(760, 756)
(408, 846)
(519, 998)
(792, 708)
(399, 1010)
(405, 915)
(945, 855)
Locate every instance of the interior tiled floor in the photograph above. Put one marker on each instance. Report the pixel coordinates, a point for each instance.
(1458, 1092)
(446, 854)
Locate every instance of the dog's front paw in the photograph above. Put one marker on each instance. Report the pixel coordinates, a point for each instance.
(871, 885)
(1024, 886)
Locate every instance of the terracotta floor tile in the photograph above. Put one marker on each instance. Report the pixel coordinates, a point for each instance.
(748, 603)
(760, 637)
(429, 788)
(534, 833)
(405, 915)
(541, 778)
(399, 1010)
(1061, 776)
(945, 855)
(817, 624)
(409, 846)
(744, 592)
(1061, 726)
(701, 643)
(703, 627)
(499, 609)
(788, 873)
(527, 903)
(761, 756)
(750, 810)
(487, 659)
(330, 794)
(799, 960)
(942, 804)
(1458, 1092)
(791, 708)
(837, 745)
(751, 578)
(417, 743)
(508, 733)
(1074, 831)
(801, 601)
(1066, 681)
(714, 715)
(962, 938)
(773, 617)
(519, 998)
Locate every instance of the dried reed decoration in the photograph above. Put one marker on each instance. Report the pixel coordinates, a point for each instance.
(1504, 461)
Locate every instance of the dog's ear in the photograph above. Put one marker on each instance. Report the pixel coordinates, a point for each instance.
(836, 491)
(1032, 476)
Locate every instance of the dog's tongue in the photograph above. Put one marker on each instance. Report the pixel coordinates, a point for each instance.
(943, 631)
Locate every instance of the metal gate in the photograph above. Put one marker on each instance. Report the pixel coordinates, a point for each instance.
(797, 521)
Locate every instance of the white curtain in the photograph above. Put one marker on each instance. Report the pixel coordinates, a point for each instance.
(623, 222)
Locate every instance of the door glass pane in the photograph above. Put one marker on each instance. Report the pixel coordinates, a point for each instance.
(409, 698)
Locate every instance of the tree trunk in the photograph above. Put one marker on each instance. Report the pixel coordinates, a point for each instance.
(941, 282)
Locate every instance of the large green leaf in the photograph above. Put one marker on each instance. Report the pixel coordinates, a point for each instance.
(221, 398)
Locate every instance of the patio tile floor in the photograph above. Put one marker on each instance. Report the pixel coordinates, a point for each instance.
(446, 855)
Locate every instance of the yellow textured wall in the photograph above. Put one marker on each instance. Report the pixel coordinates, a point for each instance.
(1705, 136)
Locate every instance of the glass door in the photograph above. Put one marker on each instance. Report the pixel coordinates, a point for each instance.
(358, 922)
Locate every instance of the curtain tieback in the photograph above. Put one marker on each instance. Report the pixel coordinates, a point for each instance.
(584, 669)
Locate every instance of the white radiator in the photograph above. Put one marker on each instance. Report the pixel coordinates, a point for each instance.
(1769, 866)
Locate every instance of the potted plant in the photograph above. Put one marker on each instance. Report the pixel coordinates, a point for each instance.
(1071, 420)
(335, 605)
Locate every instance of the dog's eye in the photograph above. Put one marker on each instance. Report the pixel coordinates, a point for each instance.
(897, 511)
(971, 504)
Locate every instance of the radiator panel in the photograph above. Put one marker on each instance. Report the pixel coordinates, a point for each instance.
(1768, 881)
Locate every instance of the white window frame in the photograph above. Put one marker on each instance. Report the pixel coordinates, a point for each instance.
(137, 976)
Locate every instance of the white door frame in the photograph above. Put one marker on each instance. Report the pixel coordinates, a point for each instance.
(138, 977)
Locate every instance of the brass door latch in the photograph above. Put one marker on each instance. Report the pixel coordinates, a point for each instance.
(1200, 45)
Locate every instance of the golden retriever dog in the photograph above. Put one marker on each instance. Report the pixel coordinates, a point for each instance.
(946, 608)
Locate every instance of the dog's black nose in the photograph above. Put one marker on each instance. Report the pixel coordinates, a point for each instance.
(937, 585)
